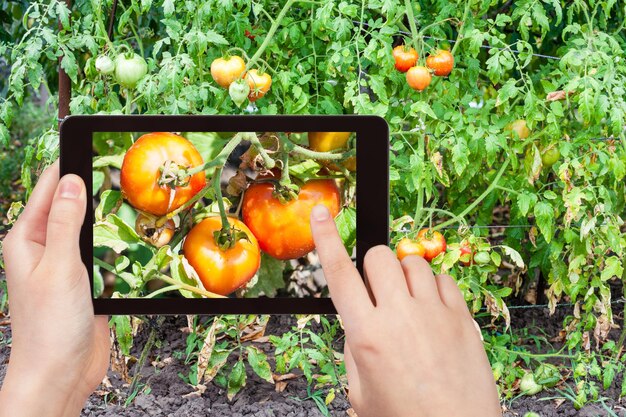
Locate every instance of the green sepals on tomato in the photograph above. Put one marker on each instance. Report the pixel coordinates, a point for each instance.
(282, 228)
(259, 83)
(144, 166)
(222, 269)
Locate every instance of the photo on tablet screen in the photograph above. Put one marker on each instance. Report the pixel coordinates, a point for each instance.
(217, 214)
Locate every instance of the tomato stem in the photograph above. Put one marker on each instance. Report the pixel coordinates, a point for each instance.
(323, 155)
(220, 201)
(270, 35)
(284, 176)
(411, 19)
(254, 140)
(480, 198)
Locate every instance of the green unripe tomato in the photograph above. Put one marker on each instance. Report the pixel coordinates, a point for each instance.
(238, 91)
(105, 65)
(129, 69)
(550, 156)
(528, 386)
(482, 258)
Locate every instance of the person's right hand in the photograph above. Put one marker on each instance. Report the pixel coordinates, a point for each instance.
(412, 350)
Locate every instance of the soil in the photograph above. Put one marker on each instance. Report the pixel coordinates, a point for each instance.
(166, 394)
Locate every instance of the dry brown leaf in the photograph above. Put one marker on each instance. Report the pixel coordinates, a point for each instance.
(255, 330)
(199, 390)
(262, 339)
(237, 183)
(351, 413)
(280, 386)
(558, 95)
(118, 360)
(285, 377)
(205, 352)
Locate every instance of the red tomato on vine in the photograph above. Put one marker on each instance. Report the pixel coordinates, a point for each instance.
(418, 78)
(433, 242)
(259, 83)
(283, 229)
(408, 247)
(222, 271)
(405, 57)
(141, 173)
(441, 62)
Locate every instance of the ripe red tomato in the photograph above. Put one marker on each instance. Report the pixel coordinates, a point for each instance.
(433, 242)
(221, 271)
(408, 247)
(141, 171)
(249, 35)
(418, 78)
(226, 70)
(259, 84)
(467, 254)
(283, 230)
(441, 62)
(405, 57)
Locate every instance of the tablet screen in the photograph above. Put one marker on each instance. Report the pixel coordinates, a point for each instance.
(217, 214)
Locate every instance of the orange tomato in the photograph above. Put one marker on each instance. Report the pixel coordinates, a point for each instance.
(418, 78)
(221, 271)
(283, 230)
(141, 171)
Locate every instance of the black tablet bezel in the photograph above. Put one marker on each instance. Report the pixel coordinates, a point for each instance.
(372, 195)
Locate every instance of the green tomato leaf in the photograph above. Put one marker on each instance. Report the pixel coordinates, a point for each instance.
(258, 361)
(114, 233)
(544, 215)
(269, 278)
(110, 202)
(612, 268)
(236, 379)
(346, 225)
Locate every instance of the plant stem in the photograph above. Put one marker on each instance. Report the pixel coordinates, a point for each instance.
(284, 176)
(129, 100)
(420, 189)
(480, 198)
(221, 157)
(267, 160)
(219, 199)
(411, 19)
(189, 288)
(144, 355)
(322, 155)
(270, 35)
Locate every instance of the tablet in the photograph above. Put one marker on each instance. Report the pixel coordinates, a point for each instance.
(210, 214)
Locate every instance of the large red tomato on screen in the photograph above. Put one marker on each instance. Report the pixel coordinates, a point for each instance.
(141, 172)
(283, 229)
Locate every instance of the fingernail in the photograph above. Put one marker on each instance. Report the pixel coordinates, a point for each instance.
(69, 188)
(320, 213)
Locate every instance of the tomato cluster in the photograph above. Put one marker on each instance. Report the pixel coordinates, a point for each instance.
(418, 77)
(161, 176)
(128, 68)
(230, 73)
(428, 244)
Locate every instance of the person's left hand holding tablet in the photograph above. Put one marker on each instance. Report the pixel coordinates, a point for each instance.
(60, 350)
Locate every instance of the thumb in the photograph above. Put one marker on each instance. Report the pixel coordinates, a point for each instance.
(66, 217)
